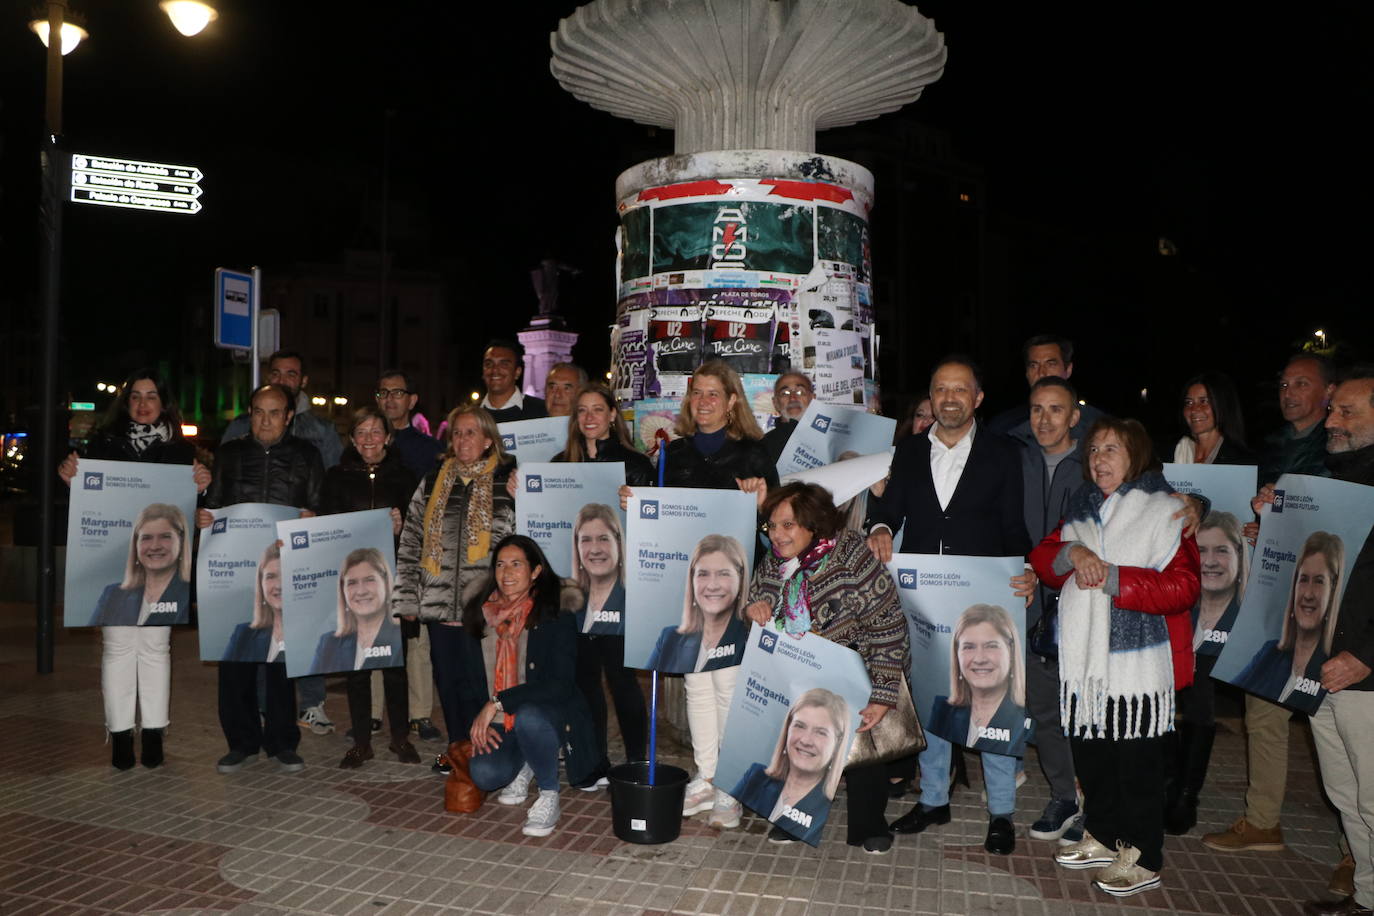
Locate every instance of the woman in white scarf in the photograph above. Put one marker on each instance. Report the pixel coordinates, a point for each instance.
(1129, 578)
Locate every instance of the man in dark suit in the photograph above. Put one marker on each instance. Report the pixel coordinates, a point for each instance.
(503, 365)
(957, 490)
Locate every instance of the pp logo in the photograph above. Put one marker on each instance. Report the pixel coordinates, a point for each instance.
(821, 424)
(648, 508)
(534, 483)
(767, 640)
(93, 481)
(1278, 500)
(220, 526)
(508, 441)
(300, 539)
(906, 578)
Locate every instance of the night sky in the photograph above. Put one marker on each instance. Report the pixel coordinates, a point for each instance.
(1238, 132)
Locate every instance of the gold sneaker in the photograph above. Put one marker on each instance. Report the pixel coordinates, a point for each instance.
(1124, 878)
(1086, 853)
(1245, 836)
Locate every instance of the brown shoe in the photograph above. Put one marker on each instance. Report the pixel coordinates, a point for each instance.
(1342, 882)
(1344, 907)
(1244, 836)
(405, 752)
(357, 755)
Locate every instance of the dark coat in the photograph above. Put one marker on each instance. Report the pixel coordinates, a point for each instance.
(288, 473)
(760, 792)
(775, 440)
(984, 517)
(112, 445)
(337, 653)
(676, 653)
(353, 486)
(1225, 622)
(119, 607)
(1045, 503)
(1355, 619)
(419, 453)
(1287, 453)
(737, 459)
(951, 723)
(1269, 670)
(639, 470)
(249, 645)
(615, 601)
(550, 663)
(533, 409)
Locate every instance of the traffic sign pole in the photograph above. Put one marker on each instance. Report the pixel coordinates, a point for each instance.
(256, 311)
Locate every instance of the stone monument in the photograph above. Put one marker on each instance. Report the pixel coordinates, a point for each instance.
(547, 340)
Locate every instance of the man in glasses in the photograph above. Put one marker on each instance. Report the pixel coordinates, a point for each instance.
(792, 394)
(396, 399)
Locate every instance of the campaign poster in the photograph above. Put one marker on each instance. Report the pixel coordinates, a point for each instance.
(239, 584)
(792, 718)
(1229, 487)
(534, 440)
(337, 575)
(129, 544)
(1224, 553)
(826, 434)
(688, 557)
(556, 502)
(968, 648)
(848, 478)
(1308, 541)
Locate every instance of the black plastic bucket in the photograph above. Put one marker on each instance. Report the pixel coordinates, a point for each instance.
(647, 814)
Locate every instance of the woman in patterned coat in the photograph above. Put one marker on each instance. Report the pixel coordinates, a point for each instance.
(822, 578)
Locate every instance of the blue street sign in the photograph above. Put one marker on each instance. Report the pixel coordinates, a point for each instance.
(234, 301)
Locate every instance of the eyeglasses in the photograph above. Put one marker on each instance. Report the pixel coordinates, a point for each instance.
(789, 392)
(385, 393)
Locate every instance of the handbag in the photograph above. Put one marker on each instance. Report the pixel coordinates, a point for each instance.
(899, 734)
(461, 795)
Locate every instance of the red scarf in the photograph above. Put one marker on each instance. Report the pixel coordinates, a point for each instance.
(507, 618)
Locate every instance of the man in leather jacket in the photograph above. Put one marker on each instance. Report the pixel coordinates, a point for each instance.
(268, 466)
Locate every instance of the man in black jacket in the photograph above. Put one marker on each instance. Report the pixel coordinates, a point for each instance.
(268, 466)
(957, 490)
(502, 368)
(1340, 726)
(792, 394)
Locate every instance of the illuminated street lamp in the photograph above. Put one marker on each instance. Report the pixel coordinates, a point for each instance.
(72, 34)
(341, 401)
(1321, 336)
(189, 16)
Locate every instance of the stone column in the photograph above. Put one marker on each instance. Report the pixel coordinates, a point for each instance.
(546, 341)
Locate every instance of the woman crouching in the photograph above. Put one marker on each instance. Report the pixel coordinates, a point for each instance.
(522, 654)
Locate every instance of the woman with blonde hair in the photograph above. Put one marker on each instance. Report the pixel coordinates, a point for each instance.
(1288, 669)
(458, 512)
(795, 788)
(261, 639)
(985, 708)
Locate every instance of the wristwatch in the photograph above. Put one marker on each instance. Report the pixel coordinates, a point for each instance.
(497, 703)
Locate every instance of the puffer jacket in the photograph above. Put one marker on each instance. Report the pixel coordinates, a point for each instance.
(114, 445)
(352, 485)
(737, 459)
(639, 470)
(429, 597)
(287, 473)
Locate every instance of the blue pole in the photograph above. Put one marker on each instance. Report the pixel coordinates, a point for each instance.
(653, 724)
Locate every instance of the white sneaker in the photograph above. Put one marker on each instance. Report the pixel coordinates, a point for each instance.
(1124, 878)
(1086, 853)
(701, 796)
(725, 812)
(313, 718)
(601, 783)
(543, 816)
(519, 788)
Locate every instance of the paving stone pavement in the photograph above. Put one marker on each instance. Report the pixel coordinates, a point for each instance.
(78, 837)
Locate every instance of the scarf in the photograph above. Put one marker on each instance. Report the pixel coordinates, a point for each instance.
(477, 524)
(142, 435)
(796, 590)
(1109, 655)
(507, 618)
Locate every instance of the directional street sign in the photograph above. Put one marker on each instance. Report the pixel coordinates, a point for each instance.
(134, 185)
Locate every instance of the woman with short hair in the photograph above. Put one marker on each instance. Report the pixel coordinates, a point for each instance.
(821, 578)
(142, 424)
(1128, 576)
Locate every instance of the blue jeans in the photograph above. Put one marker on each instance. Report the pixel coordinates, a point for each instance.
(999, 776)
(535, 741)
(310, 690)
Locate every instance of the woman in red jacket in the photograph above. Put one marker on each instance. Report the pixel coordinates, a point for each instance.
(1129, 579)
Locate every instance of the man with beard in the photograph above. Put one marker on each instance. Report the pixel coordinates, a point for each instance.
(792, 394)
(1340, 726)
(957, 490)
(287, 369)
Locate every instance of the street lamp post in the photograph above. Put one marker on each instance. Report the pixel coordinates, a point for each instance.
(189, 17)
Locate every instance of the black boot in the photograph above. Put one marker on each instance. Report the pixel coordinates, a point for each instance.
(152, 747)
(122, 749)
(1181, 815)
